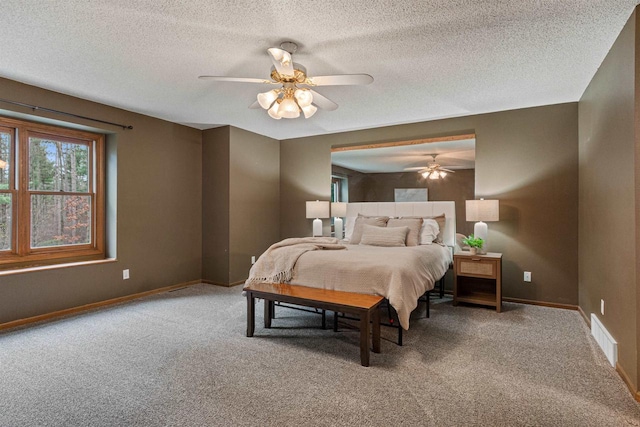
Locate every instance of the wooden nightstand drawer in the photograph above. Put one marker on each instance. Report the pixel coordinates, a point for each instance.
(477, 267)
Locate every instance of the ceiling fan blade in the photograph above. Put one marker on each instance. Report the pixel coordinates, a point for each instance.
(322, 101)
(282, 61)
(255, 105)
(236, 79)
(341, 80)
(447, 170)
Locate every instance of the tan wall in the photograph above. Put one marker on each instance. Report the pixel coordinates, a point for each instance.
(528, 159)
(215, 204)
(254, 208)
(607, 199)
(158, 208)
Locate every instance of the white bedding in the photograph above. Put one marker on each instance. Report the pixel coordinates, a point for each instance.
(401, 275)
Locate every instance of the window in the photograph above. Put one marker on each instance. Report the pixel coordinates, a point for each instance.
(51, 194)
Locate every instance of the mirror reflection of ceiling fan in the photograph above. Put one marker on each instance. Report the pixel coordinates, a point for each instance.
(295, 93)
(433, 170)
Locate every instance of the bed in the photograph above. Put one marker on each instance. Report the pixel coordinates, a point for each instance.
(400, 274)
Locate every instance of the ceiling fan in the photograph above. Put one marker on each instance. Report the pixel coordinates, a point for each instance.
(295, 93)
(433, 170)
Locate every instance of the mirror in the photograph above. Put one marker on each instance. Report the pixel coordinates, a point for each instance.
(436, 170)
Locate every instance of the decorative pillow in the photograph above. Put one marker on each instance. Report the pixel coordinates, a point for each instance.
(440, 219)
(383, 236)
(414, 224)
(348, 227)
(380, 221)
(429, 231)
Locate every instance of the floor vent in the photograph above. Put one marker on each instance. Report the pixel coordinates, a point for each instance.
(604, 340)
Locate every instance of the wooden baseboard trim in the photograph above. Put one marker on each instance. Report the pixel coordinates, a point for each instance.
(585, 317)
(541, 303)
(225, 285)
(627, 381)
(91, 306)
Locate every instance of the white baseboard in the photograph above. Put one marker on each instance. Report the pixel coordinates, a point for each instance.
(604, 339)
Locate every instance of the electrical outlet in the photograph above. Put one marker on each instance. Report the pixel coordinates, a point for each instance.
(527, 276)
(602, 307)
(253, 259)
(125, 274)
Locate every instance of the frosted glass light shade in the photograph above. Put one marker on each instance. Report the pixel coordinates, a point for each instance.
(273, 111)
(338, 209)
(482, 210)
(318, 209)
(309, 111)
(266, 99)
(304, 97)
(288, 109)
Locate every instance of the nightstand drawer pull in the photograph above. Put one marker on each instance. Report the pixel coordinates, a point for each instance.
(484, 269)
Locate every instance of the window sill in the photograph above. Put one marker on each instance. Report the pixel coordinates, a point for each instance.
(19, 270)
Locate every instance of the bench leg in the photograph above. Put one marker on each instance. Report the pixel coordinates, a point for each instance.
(375, 334)
(268, 313)
(324, 319)
(335, 321)
(251, 314)
(365, 318)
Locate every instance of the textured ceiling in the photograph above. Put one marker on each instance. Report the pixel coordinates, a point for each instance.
(430, 59)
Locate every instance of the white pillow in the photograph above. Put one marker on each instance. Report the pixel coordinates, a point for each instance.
(429, 231)
(383, 236)
(348, 231)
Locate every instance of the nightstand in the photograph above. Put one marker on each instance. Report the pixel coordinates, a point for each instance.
(477, 279)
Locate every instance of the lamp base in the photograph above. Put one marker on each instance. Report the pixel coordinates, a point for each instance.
(317, 227)
(481, 230)
(337, 225)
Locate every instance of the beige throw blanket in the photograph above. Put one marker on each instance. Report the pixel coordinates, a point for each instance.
(277, 263)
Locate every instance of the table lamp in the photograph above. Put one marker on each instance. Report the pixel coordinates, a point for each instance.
(338, 210)
(482, 210)
(318, 209)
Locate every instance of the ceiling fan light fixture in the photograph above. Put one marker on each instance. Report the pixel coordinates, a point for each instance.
(280, 55)
(273, 111)
(443, 174)
(304, 97)
(288, 109)
(434, 175)
(309, 111)
(266, 99)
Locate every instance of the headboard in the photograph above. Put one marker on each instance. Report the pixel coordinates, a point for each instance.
(424, 209)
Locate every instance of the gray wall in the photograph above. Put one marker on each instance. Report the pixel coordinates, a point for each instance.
(608, 233)
(528, 159)
(158, 208)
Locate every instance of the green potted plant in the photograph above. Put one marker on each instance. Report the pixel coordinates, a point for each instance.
(474, 243)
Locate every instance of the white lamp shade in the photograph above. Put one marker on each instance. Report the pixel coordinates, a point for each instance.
(288, 109)
(338, 209)
(273, 111)
(309, 111)
(304, 97)
(482, 210)
(266, 99)
(318, 209)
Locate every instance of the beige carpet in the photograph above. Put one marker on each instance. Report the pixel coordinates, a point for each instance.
(181, 358)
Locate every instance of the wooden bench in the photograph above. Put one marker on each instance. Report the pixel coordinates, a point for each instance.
(362, 305)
